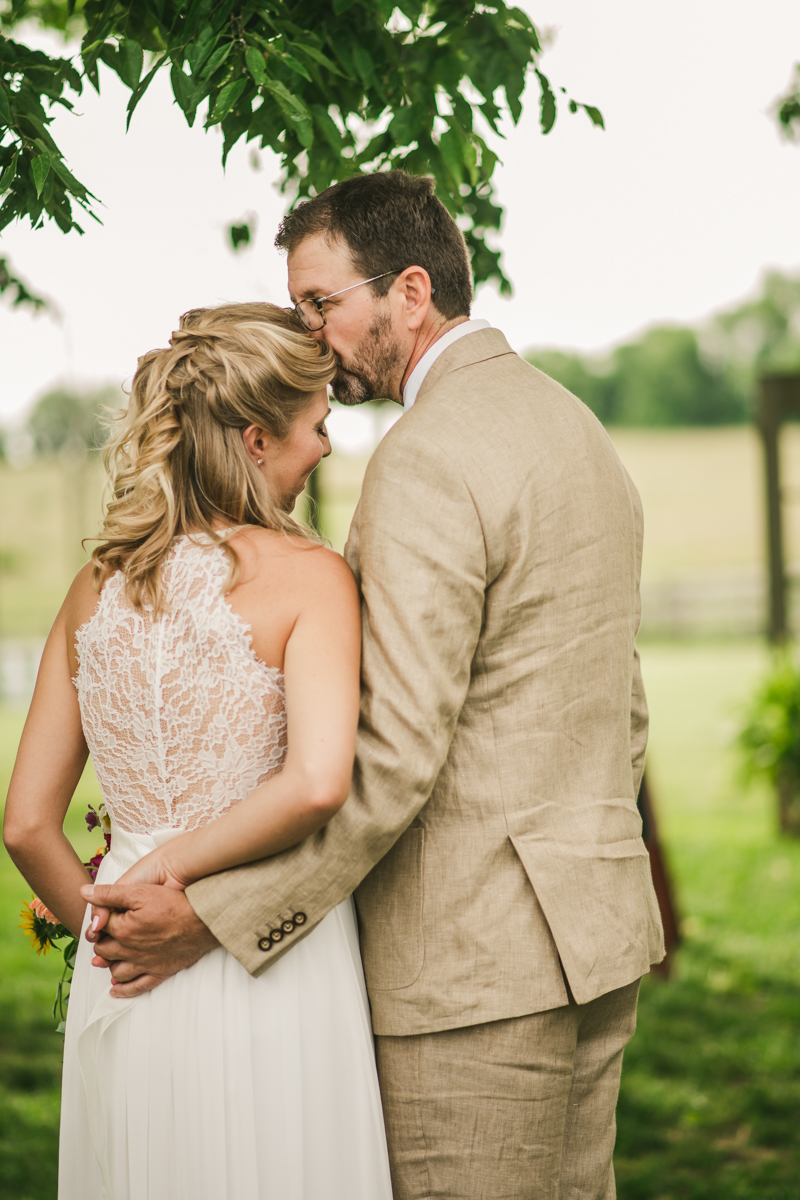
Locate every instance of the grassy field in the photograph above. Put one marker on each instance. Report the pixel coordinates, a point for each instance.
(711, 1086)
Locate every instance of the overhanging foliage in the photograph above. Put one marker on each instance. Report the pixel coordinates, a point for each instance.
(788, 108)
(333, 87)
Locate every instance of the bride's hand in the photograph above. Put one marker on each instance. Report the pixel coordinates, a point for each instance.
(156, 867)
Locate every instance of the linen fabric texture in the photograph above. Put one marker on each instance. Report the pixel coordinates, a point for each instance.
(491, 831)
(522, 1109)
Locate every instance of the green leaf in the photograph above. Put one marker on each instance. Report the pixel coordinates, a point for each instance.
(68, 179)
(363, 64)
(256, 65)
(305, 131)
(451, 147)
(182, 88)
(9, 175)
(130, 63)
(407, 125)
(341, 6)
(296, 66)
(240, 235)
(142, 88)
(548, 104)
(328, 127)
(594, 115)
(227, 98)
(319, 57)
(292, 105)
(5, 107)
(40, 169)
(217, 59)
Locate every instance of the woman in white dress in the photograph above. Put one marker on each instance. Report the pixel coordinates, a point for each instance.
(208, 658)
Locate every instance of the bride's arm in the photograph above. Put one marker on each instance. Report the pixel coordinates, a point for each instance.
(51, 757)
(321, 672)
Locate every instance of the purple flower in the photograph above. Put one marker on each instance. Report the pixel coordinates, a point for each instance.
(93, 865)
(92, 820)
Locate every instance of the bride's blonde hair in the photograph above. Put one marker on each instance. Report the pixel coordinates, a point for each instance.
(177, 463)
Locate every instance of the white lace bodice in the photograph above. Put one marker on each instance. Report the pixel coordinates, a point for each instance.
(181, 718)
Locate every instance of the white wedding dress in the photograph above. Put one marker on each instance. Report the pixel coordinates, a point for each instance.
(214, 1086)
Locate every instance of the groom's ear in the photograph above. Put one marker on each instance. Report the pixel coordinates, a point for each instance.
(413, 290)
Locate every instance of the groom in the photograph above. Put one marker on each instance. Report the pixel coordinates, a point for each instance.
(492, 837)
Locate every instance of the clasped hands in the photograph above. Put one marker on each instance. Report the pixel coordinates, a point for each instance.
(143, 927)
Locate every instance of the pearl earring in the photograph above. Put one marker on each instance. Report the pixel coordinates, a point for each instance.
(259, 462)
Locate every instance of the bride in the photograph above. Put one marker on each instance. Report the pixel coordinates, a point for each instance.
(208, 658)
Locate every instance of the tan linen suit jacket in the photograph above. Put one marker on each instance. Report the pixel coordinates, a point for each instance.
(492, 827)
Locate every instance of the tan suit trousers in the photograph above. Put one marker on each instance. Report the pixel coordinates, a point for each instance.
(521, 1109)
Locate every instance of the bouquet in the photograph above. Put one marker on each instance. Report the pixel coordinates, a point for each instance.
(45, 930)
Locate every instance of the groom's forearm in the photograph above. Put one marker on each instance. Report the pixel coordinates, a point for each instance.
(258, 911)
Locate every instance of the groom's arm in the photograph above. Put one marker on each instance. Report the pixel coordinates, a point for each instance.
(422, 568)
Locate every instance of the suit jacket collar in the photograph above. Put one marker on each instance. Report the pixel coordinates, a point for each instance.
(474, 348)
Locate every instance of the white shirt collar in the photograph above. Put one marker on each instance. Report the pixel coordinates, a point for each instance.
(414, 381)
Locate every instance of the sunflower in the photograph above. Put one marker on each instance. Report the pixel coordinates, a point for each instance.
(39, 924)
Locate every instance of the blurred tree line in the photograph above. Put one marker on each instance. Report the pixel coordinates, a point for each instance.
(679, 375)
(670, 375)
(65, 422)
(69, 422)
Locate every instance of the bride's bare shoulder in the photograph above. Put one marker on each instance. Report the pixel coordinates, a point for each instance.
(81, 599)
(78, 608)
(265, 551)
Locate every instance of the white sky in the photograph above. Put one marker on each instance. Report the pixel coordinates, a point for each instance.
(672, 212)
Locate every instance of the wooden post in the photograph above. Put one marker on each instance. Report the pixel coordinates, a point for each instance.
(770, 421)
(779, 397)
(661, 879)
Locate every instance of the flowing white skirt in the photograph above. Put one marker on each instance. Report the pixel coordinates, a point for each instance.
(218, 1086)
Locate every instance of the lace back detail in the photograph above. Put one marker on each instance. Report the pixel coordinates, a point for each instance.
(181, 718)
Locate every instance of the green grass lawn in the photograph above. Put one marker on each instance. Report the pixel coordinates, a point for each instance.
(710, 1104)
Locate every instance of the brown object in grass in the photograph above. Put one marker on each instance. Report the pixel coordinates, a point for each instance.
(661, 880)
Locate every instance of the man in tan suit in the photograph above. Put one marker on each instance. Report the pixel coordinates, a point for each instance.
(492, 836)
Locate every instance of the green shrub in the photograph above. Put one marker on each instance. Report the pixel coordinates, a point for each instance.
(770, 738)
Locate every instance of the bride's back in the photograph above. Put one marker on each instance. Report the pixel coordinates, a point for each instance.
(181, 715)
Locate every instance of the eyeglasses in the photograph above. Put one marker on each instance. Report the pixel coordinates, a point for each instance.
(310, 311)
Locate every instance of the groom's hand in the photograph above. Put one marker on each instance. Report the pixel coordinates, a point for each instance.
(150, 933)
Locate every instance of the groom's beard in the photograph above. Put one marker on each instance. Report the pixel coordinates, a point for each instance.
(374, 370)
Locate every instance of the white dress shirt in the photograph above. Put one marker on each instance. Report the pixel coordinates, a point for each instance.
(414, 381)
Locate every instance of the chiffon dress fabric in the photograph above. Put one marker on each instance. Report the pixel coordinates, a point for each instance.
(215, 1085)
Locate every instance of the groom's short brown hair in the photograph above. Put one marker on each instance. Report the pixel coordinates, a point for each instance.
(389, 220)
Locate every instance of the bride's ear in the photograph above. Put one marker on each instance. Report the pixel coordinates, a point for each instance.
(257, 442)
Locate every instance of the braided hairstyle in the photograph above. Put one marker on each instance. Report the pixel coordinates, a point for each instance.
(177, 463)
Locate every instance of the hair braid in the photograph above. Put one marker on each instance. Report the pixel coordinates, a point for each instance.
(177, 463)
